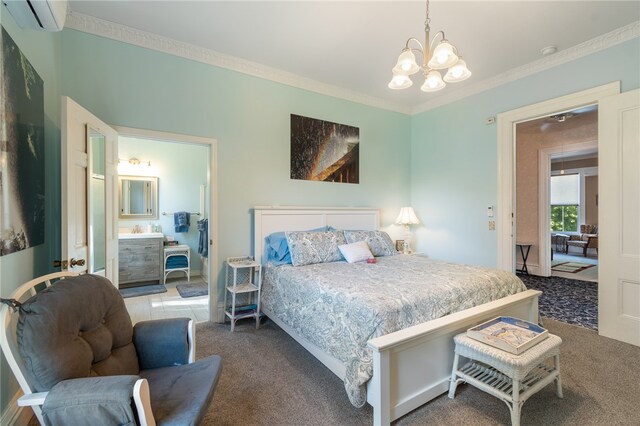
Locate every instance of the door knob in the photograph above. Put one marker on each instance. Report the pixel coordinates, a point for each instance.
(68, 263)
(76, 262)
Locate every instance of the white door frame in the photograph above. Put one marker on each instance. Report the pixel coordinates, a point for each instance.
(212, 272)
(544, 214)
(507, 121)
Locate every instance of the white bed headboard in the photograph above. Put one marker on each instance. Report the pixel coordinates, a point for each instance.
(268, 219)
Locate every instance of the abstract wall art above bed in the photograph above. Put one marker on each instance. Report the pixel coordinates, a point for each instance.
(22, 176)
(324, 151)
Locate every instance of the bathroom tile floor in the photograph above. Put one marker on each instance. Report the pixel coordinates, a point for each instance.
(169, 304)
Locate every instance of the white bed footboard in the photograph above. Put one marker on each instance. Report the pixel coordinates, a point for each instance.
(413, 366)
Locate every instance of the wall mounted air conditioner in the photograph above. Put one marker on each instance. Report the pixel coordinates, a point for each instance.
(46, 15)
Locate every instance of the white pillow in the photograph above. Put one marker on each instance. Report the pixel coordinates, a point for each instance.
(355, 252)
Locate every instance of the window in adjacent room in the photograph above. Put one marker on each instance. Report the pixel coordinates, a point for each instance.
(565, 202)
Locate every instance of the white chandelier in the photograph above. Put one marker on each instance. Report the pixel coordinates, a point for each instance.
(445, 55)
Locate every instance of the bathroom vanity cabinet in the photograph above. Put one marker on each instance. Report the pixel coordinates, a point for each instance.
(140, 261)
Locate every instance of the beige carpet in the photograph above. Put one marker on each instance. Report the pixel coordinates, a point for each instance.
(268, 379)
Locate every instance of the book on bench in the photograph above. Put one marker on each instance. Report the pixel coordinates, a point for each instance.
(509, 334)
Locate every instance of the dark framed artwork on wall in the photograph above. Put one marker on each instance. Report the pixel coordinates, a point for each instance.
(22, 178)
(324, 151)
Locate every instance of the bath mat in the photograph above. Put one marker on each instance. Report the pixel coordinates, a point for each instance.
(192, 290)
(142, 290)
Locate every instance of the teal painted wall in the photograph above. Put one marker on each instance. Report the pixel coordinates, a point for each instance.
(130, 86)
(43, 51)
(454, 154)
(181, 168)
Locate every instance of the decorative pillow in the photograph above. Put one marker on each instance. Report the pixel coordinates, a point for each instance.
(277, 249)
(355, 252)
(315, 247)
(378, 241)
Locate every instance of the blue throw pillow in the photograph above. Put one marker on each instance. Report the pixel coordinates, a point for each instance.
(277, 248)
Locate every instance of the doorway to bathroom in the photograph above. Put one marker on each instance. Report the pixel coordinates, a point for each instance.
(166, 224)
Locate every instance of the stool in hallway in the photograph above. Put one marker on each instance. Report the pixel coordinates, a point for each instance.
(512, 378)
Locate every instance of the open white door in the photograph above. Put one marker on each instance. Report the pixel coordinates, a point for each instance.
(619, 210)
(88, 193)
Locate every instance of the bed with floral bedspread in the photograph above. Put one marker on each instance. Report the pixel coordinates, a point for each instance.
(339, 306)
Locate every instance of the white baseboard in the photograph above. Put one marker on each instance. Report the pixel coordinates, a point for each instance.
(220, 311)
(14, 415)
(533, 269)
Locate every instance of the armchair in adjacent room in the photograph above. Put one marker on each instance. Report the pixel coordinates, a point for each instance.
(79, 360)
(587, 239)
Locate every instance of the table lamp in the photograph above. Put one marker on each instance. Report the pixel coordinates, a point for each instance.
(406, 218)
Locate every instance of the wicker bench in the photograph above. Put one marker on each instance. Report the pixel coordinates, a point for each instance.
(512, 378)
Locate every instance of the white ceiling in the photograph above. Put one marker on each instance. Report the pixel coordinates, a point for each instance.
(354, 44)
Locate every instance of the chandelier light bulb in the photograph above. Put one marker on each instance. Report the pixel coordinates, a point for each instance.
(400, 81)
(443, 56)
(458, 72)
(433, 82)
(406, 64)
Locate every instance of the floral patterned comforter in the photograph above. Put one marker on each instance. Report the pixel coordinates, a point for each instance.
(339, 306)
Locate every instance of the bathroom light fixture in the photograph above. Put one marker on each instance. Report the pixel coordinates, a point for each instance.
(134, 162)
(444, 55)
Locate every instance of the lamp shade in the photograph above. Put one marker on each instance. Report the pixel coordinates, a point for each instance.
(458, 72)
(407, 217)
(400, 81)
(443, 56)
(433, 82)
(406, 64)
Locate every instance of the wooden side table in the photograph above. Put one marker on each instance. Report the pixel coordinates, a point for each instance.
(512, 378)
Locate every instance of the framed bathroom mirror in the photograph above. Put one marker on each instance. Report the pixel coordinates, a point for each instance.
(138, 197)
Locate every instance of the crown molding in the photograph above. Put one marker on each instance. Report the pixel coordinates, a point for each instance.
(125, 34)
(122, 33)
(604, 41)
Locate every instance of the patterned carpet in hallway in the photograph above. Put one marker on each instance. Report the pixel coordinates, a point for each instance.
(571, 301)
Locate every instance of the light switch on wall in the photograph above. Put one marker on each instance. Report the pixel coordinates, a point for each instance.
(490, 211)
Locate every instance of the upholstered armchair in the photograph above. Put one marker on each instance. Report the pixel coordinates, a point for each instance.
(79, 360)
(587, 239)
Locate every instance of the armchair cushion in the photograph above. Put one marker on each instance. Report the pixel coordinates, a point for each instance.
(180, 395)
(162, 343)
(91, 401)
(93, 336)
